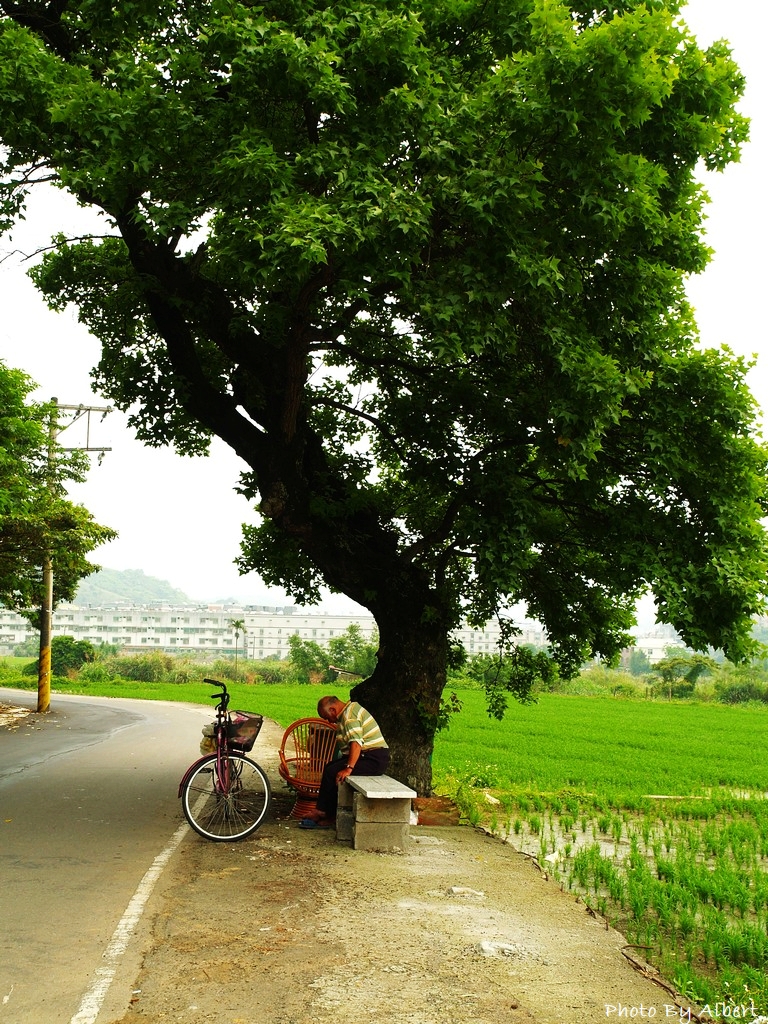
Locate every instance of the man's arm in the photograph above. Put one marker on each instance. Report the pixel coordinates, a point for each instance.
(352, 758)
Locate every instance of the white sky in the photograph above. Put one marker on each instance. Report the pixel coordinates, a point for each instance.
(179, 519)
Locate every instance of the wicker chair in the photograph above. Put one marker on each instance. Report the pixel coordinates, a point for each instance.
(308, 745)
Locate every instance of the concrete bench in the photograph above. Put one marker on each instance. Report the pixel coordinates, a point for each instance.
(374, 813)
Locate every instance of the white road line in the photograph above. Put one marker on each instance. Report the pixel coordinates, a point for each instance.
(92, 1001)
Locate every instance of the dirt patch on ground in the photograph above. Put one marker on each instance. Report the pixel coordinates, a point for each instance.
(291, 927)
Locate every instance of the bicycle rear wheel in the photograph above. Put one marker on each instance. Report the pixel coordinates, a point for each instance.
(226, 805)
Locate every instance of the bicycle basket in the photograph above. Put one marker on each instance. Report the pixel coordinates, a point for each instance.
(243, 729)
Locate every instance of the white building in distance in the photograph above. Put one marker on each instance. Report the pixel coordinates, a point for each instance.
(656, 643)
(206, 630)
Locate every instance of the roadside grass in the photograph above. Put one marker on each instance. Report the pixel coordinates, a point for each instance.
(11, 665)
(654, 813)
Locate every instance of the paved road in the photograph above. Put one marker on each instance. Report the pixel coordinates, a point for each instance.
(87, 806)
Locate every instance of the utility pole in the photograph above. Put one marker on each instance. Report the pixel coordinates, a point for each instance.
(46, 609)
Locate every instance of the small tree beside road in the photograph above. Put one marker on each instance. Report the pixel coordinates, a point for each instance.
(36, 519)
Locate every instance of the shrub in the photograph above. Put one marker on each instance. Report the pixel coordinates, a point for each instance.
(599, 680)
(67, 656)
(624, 690)
(271, 672)
(741, 692)
(152, 667)
(225, 669)
(95, 672)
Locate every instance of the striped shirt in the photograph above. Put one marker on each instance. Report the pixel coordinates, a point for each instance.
(356, 725)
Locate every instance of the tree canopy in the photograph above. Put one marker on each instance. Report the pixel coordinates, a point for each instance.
(36, 519)
(422, 267)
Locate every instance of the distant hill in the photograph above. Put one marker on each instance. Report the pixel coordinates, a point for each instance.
(132, 585)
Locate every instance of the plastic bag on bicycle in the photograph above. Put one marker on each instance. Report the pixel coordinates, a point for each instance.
(208, 742)
(243, 728)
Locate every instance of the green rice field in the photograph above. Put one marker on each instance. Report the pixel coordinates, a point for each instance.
(618, 748)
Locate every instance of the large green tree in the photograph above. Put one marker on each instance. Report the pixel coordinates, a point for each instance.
(421, 265)
(37, 521)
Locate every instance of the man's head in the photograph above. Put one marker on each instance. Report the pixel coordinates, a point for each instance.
(329, 708)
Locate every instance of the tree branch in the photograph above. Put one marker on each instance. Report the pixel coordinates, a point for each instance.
(50, 248)
(359, 414)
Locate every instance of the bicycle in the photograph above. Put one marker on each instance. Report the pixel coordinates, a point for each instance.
(224, 794)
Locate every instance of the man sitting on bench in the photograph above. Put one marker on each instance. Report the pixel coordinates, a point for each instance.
(364, 751)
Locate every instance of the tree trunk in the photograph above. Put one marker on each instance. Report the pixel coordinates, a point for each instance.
(404, 693)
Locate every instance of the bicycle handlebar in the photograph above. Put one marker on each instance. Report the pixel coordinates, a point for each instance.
(223, 694)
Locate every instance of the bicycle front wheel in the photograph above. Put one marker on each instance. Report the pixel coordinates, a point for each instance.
(227, 800)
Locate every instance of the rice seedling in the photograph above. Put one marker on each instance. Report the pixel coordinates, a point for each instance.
(566, 824)
(617, 830)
